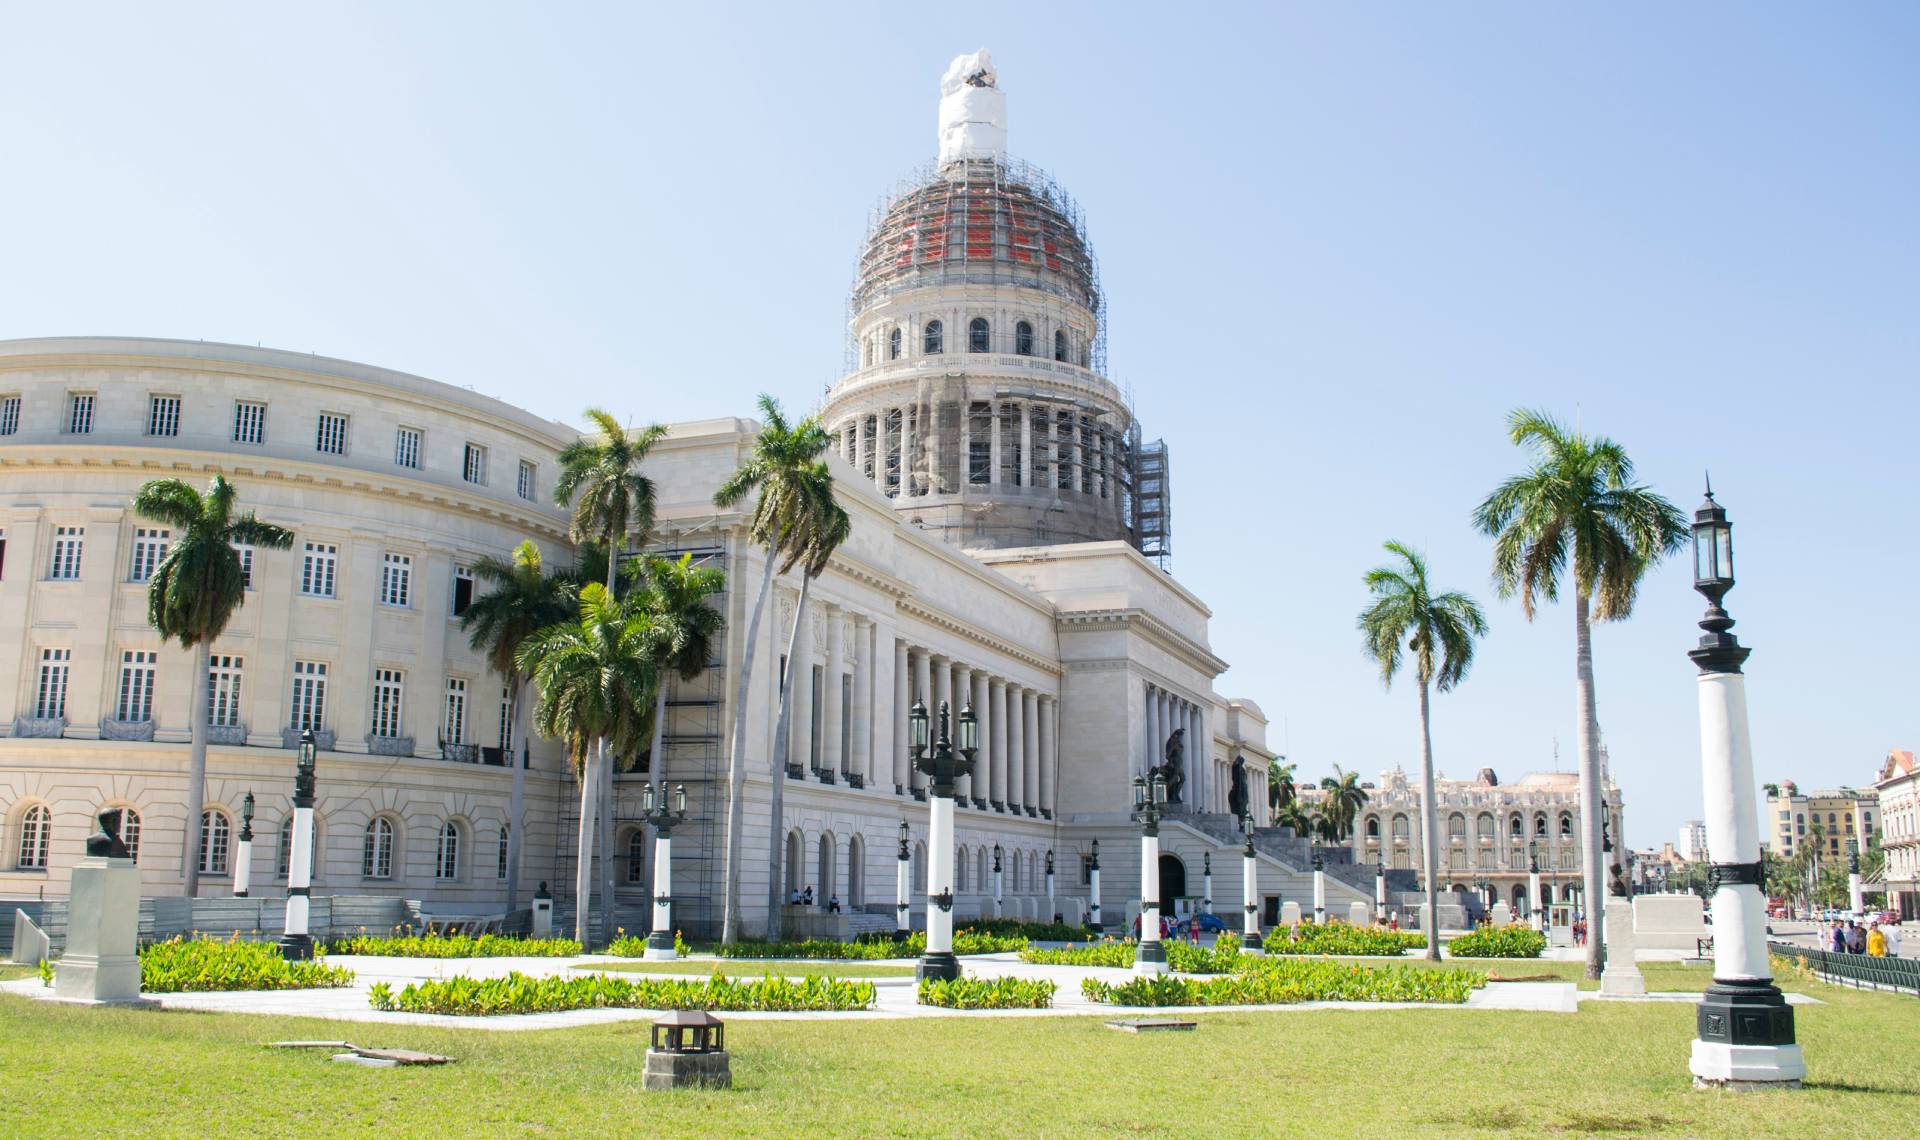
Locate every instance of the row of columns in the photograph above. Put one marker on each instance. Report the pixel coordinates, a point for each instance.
(843, 742)
(1014, 769)
(1166, 712)
(885, 442)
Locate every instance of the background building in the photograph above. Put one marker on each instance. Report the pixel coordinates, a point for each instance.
(1898, 788)
(1692, 847)
(1823, 819)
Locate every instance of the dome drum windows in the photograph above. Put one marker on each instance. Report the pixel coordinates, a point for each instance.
(893, 345)
(978, 335)
(1023, 339)
(933, 341)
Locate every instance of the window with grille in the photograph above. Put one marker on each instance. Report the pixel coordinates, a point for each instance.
(500, 859)
(79, 413)
(9, 415)
(317, 569)
(977, 335)
(149, 547)
(135, 703)
(223, 690)
(36, 835)
(473, 466)
(216, 832)
(68, 544)
(249, 421)
(245, 555)
(396, 579)
(387, 697)
(462, 589)
(525, 486)
(330, 436)
(1059, 344)
(636, 856)
(893, 345)
(376, 858)
(932, 341)
(446, 863)
(506, 724)
(130, 832)
(163, 415)
(308, 708)
(406, 447)
(1023, 339)
(50, 702)
(453, 726)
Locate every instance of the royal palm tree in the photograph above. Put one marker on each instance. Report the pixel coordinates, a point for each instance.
(1280, 786)
(675, 597)
(1577, 512)
(1295, 815)
(612, 504)
(782, 455)
(523, 600)
(595, 674)
(1345, 797)
(1406, 616)
(192, 596)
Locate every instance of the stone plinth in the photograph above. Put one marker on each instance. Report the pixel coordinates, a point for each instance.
(30, 943)
(1669, 922)
(1622, 977)
(101, 964)
(1502, 914)
(1289, 913)
(1359, 914)
(687, 1070)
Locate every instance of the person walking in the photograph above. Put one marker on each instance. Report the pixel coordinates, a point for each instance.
(1876, 941)
(1837, 938)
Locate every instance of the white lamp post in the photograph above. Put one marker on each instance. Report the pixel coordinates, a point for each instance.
(1535, 913)
(1093, 889)
(942, 768)
(243, 867)
(1745, 1025)
(902, 886)
(1319, 886)
(295, 944)
(1206, 882)
(1380, 890)
(660, 946)
(1856, 887)
(1051, 908)
(1149, 956)
(1249, 892)
(998, 882)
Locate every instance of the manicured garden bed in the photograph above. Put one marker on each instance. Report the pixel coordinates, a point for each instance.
(453, 946)
(203, 966)
(1514, 941)
(1282, 981)
(519, 993)
(985, 993)
(1341, 938)
(965, 941)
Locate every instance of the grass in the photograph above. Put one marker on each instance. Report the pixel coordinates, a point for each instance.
(10, 972)
(749, 968)
(1612, 1067)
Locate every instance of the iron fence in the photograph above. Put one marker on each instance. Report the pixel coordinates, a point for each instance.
(1857, 970)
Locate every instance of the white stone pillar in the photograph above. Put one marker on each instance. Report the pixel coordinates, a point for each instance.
(939, 874)
(1053, 910)
(1535, 914)
(1152, 723)
(832, 745)
(1149, 956)
(660, 946)
(923, 692)
(299, 872)
(866, 646)
(962, 696)
(902, 704)
(982, 693)
(1016, 750)
(1030, 751)
(999, 883)
(243, 861)
(1319, 895)
(800, 690)
(902, 892)
(997, 780)
(993, 446)
(1206, 881)
(1250, 902)
(1093, 891)
(1049, 751)
(1026, 445)
(880, 452)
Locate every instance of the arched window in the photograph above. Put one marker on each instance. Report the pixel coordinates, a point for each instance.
(636, 856)
(36, 835)
(1059, 344)
(1023, 339)
(376, 856)
(1015, 880)
(980, 865)
(1566, 825)
(130, 832)
(932, 342)
(1485, 828)
(446, 860)
(215, 835)
(1515, 828)
(920, 867)
(1540, 826)
(977, 335)
(1400, 827)
(500, 859)
(960, 872)
(1457, 826)
(893, 345)
(856, 872)
(1373, 827)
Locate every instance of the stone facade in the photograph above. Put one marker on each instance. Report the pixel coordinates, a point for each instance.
(1898, 791)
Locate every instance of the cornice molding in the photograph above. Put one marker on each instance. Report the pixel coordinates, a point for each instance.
(1134, 620)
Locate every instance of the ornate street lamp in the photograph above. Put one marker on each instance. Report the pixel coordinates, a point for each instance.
(902, 886)
(1093, 889)
(243, 866)
(1149, 800)
(1206, 882)
(1319, 885)
(1249, 891)
(1856, 887)
(1051, 909)
(1380, 889)
(942, 768)
(998, 881)
(660, 941)
(1745, 1026)
(295, 944)
(1534, 911)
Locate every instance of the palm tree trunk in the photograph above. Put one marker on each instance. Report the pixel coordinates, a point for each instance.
(517, 799)
(657, 762)
(606, 842)
(736, 763)
(1429, 837)
(1593, 886)
(583, 873)
(197, 765)
(776, 833)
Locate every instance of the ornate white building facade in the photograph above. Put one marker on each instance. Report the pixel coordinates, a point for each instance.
(1008, 550)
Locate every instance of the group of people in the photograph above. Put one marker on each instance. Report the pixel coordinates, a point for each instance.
(805, 898)
(1874, 939)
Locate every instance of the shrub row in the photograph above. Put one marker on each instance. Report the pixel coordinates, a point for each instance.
(635, 945)
(982, 993)
(1512, 941)
(1223, 957)
(1288, 981)
(455, 946)
(965, 941)
(201, 966)
(1341, 938)
(1108, 952)
(518, 993)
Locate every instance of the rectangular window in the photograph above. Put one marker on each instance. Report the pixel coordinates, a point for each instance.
(309, 704)
(506, 724)
(223, 690)
(817, 725)
(453, 727)
(396, 580)
(51, 703)
(149, 547)
(245, 554)
(846, 722)
(163, 415)
(249, 421)
(79, 413)
(462, 589)
(330, 437)
(68, 543)
(406, 447)
(980, 443)
(525, 485)
(136, 686)
(473, 467)
(9, 415)
(387, 697)
(317, 569)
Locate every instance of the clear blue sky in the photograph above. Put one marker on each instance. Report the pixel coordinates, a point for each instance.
(1339, 243)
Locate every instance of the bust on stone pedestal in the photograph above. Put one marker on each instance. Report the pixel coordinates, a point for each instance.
(102, 962)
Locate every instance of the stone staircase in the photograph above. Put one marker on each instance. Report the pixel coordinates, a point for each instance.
(1296, 852)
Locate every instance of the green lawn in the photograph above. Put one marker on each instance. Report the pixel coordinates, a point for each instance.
(1612, 1067)
(751, 968)
(10, 972)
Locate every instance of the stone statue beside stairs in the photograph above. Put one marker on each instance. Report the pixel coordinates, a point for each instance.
(1175, 768)
(1237, 792)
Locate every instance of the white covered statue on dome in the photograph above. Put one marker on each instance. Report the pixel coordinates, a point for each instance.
(973, 110)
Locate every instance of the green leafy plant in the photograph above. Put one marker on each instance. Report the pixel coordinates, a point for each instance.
(518, 993)
(1285, 981)
(181, 966)
(985, 993)
(454, 946)
(45, 970)
(1109, 952)
(1511, 941)
(965, 941)
(1341, 938)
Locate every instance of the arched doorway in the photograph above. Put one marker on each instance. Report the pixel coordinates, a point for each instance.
(1520, 899)
(856, 872)
(794, 866)
(1173, 882)
(827, 888)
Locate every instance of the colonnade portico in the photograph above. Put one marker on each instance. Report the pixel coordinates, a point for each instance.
(899, 447)
(1012, 773)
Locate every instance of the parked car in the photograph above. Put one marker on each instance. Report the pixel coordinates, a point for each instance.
(1211, 923)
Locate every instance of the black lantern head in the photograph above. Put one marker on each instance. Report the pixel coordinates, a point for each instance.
(246, 809)
(1096, 850)
(305, 757)
(905, 834)
(1712, 549)
(1159, 787)
(1139, 792)
(917, 725)
(680, 798)
(969, 730)
(1049, 860)
(646, 799)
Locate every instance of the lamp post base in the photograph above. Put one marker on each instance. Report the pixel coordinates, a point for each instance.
(1746, 1038)
(1251, 944)
(937, 965)
(1746, 1068)
(660, 947)
(1150, 958)
(295, 947)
